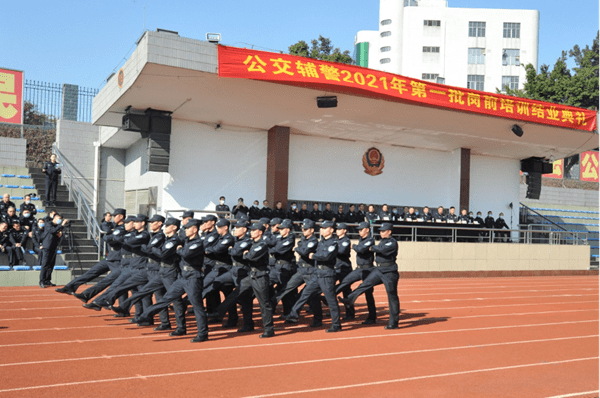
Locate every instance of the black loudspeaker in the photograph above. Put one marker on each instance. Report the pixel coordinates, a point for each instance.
(327, 102)
(534, 185)
(136, 122)
(536, 165)
(159, 141)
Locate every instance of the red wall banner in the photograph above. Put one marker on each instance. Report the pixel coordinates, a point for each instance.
(557, 170)
(11, 96)
(589, 166)
(299, 71)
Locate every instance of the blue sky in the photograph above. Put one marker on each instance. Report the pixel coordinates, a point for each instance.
(82, 42)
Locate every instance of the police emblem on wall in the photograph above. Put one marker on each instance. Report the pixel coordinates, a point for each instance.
(120, 78)
(373, 161)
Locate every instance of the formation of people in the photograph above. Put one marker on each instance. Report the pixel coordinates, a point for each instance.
(193, 261)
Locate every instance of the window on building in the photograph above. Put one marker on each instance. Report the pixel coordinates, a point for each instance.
(512, 30)
(385, 34)
(475, 82)
(411, 3)
(477, 56)
(476, 29)
(386, 22)
(386, 48)
(511, 56)
(511, 82)
(385, 61)
(429, 76)
(440, 80)
(429, 22)
(431, 49)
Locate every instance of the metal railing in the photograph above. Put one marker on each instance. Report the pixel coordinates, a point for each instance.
(84, 212)
(528, 210)
(436, 232)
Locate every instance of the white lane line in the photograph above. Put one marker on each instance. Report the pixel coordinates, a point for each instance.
(35, 301)
(38, 309)
(350, 323)
(355, 357)
(577, 394)
(37, 318)
(312, 341)
(373, 383)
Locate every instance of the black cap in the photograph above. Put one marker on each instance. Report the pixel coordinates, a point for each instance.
(257, 225)
(222, 222)
(275, 221)
(308, 223)
(209, 217)
(341, 225)
(16, 221)
(327, 224)
(130, 219)
(241, 224)
(264, 220)
(173, 221)
(157, 217)
(364, 224)
(187, 214)
(141, 217)
(287, 223)
(194, 222)
(119, 211)
(386, 226)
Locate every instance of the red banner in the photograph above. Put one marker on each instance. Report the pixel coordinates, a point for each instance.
(11, 96)
(589, 166)
(557, 170)
(307, 72)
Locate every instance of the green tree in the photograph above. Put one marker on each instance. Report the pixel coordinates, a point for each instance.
(576, 87)
(33, 117)
(321, 49)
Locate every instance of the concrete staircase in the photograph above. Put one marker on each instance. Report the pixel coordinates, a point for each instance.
(85, 252)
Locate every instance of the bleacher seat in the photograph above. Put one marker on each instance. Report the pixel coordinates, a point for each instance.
(31, 252)
(35, 198)
(7, 175)
(1, 185)
(16, 198)
(41, 210)
(22, 268)
(23, 176)
(5, 268)
(563, 210)
(61, 267)
(59, 252)
(27, 187)
(12, 186)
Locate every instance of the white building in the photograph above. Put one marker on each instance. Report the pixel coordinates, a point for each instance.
(481, 49)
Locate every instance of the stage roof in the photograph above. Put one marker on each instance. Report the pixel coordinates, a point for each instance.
(171, 73)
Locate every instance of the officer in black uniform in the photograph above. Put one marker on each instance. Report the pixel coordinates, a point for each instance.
(254, 211)
(51, 237)
(26, 220)
(5, 204)
(500, 224)
(385, 271)
(327, 213)
(218, 252)
(284, 262)
(18, 239)
(372, 215)
(4, 238)
(266, 211)
(322, 280)
(340, 216)
(10, 217)
(110, 262)
(190, 282)
(294, 213)
(210, 237)
(343, 265)
(37, 239)
(411, 216)
(352, 217)
(257, 257)
(27, 205)
(316, 215)
(107, 225)
(439, 217)
(304, 213)
(426, 215)
(279, 211)
(451, 217)
(384, 213)
(240, 210)
(185, 217)
(364, 265)
(304, 267)
(222, 207)
(52, 171)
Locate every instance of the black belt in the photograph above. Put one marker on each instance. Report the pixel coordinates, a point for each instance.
(322, 266)
(240, 265)
(222, 264)
(304, 264)
(151, 261)
(385, 264)
(282, 262)
(188, 268)
(258, 270)
(364, 266)
(127, 255)
(165, 265)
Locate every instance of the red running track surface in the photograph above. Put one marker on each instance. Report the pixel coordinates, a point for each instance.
(476, 337)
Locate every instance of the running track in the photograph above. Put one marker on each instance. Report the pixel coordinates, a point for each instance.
(475, 337)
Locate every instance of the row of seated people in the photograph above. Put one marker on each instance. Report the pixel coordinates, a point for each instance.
(363, 213)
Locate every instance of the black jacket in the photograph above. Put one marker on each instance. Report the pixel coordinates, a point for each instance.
(52, 171)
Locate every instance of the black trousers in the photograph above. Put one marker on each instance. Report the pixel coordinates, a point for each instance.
(260, 286)
(213, 299)
(51, 186)
(355, 276)
(279, 275)
(137, 278)
(221, 275)
(158, 284)
(125, 274)
(39, 253)
(389, 277)
(15, 256)
(48, 261)
(191, 283)
(98, 269)
(322, 280)
(242, 294)
(115, 270)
